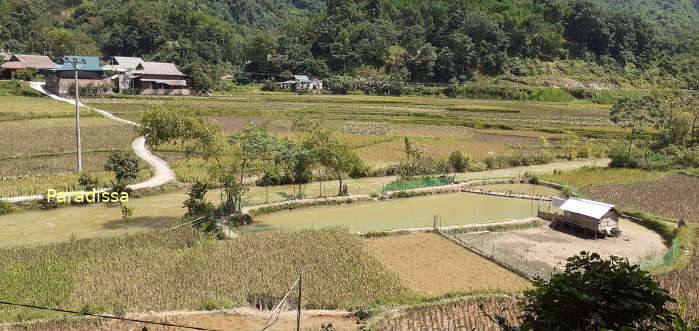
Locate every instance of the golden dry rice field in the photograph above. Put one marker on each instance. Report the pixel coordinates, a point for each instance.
(432, 265)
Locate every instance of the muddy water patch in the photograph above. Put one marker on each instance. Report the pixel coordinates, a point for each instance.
(451, 209)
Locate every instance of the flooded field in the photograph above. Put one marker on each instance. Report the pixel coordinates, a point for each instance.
(452, 209)
(528, 189)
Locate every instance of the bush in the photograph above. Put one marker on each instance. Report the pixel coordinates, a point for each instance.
(7, 207)
(270, 85)
(458, 162)
(25, 74)
(593, 293)
(87, 182)
(339, 85)
(124, 165)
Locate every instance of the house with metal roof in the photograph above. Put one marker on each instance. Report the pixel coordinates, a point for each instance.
(40, 63)
(302, 83)
(122, 64)
(590, 215)
(92, 79)
(159, 78)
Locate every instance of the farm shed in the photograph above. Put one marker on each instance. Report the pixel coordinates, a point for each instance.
(16, 62)
(590, 215)
(302, 83)
(91, 77)
(160, 79)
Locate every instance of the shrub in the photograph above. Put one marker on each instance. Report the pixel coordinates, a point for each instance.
(25, 74)
(458, 162)
(123, 164)
(477, 166)
(270, 85)
(7, 207)
(88, 182)
(593, 293)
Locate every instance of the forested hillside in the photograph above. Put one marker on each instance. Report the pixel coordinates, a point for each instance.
(401, 40)
(677, 17)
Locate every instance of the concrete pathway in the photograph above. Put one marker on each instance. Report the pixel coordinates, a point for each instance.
(163, 172)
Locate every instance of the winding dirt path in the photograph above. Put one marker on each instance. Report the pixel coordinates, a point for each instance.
(163, 172)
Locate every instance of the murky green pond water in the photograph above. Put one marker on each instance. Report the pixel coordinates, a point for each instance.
(452, 209)
(527, 189)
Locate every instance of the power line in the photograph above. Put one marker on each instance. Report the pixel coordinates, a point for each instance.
(104, 316)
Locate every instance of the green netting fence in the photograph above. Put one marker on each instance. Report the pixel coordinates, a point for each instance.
(666, 258)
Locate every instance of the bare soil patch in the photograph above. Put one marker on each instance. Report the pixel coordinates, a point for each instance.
(548, 248)
(433, 265)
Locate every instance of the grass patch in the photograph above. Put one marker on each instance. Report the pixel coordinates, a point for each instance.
(402, 185)
(17, 88)
(163, 270)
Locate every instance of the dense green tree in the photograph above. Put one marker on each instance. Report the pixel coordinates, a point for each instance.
(594, 293)
(124, 165)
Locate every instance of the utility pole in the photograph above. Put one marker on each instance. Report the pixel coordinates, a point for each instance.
(75, 62)
(298, 311)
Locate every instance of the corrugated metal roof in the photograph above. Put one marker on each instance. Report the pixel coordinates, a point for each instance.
(302, 79)
(92, 63)
(594, 209)
(158, 68)
(22, 61)
(128, 62)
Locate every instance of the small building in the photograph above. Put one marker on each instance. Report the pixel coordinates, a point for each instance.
(589, 215)
(302, 83)
(40, 63)
(91, 78)
(121, 68)
(157, 78)
(121, 64)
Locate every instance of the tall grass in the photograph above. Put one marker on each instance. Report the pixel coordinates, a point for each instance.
(183, 269)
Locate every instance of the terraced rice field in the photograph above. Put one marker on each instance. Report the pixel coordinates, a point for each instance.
(674, 196)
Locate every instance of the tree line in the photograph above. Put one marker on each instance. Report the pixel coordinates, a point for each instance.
(415, 41)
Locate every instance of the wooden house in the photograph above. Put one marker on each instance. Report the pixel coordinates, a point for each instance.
(159, 78)
(589, 215)
(40, 63)
(91, 78)
(121, 69)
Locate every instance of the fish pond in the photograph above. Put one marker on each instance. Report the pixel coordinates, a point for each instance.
(418, 212)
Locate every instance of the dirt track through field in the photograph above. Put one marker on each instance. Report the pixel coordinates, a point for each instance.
(163, 172)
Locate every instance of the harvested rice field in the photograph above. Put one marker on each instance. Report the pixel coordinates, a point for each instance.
(675, 196)
(432, 265)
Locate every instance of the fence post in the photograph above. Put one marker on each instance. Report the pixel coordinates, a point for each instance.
(298, 311)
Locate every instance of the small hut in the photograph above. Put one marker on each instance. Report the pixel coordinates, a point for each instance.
(599, 217)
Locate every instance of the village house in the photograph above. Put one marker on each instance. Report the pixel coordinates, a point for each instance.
(302, 83)
(160, 79)
(40, 63)
(92, 79)
(121, 68)
(588, 215)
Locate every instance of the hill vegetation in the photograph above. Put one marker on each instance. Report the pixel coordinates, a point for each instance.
(398, 40)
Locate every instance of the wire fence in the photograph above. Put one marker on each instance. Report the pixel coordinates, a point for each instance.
(516, 259)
